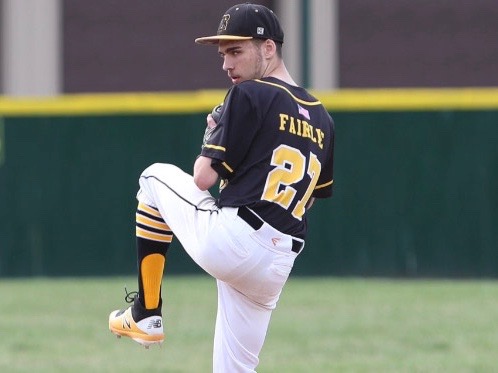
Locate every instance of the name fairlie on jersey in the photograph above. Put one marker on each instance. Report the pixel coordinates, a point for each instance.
(301, 128)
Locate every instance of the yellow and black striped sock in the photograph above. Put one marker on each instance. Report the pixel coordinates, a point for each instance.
(153, 239)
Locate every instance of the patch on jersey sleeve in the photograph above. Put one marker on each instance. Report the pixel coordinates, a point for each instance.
(305, 113)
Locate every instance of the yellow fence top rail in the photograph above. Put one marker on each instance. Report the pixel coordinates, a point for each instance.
(203, 100)
(411, 99)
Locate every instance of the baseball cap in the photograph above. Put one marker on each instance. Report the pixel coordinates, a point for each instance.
(244, 22)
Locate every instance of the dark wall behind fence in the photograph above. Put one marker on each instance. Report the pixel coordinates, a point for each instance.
(128, 45)
(415, 194)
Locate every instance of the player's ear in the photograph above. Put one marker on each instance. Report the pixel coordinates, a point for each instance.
(269, 48)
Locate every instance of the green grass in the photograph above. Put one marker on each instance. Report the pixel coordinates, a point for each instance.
(320, 325)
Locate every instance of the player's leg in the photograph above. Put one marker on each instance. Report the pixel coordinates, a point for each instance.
(245, 301)
(142, 321)
(153, 239)
(241, 326)
(160, 186)
(191, 214)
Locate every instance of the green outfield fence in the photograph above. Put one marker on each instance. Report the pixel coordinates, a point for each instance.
(416, 181)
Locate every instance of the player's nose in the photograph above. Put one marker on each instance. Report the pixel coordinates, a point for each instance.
(226, 64)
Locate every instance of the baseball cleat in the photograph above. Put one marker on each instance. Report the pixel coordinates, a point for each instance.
(141, 325)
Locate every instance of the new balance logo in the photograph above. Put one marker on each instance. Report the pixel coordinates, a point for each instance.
(155, 323)
(126, 323)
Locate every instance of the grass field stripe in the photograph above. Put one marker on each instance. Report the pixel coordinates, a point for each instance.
(342, 323)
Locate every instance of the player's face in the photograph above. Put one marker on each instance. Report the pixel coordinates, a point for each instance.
(242, 60)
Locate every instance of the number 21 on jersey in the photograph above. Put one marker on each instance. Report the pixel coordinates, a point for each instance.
(290, 167)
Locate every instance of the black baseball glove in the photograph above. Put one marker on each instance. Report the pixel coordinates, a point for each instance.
(216, 114)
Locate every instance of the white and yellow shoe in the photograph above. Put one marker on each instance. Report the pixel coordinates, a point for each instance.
(142, 325)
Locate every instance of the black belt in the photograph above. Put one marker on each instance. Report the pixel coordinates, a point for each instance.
(256, 223)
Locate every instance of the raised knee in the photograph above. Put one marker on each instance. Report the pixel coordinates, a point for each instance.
(156, 169)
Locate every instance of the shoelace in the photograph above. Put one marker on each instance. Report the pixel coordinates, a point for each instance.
(130, 295)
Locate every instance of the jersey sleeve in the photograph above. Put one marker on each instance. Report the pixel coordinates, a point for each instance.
(234, 133)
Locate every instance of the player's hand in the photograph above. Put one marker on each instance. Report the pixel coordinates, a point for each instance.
(211, 123)
(214, 117)
(212, 120)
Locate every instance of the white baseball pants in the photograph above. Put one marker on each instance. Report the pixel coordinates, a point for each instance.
(251, 267)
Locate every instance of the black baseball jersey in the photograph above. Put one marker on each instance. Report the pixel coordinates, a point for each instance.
(274, 146)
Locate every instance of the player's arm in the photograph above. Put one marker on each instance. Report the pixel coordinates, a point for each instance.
(204, 175)
(310, 203)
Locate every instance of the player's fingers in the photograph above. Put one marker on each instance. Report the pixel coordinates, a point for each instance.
(210, 121)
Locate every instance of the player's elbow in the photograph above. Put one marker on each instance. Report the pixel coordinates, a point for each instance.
(203, 183)
(204, 175)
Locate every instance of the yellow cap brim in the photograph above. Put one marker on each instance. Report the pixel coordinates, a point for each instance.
(213, 40)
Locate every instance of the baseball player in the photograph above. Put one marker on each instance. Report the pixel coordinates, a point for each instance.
(271, 145)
